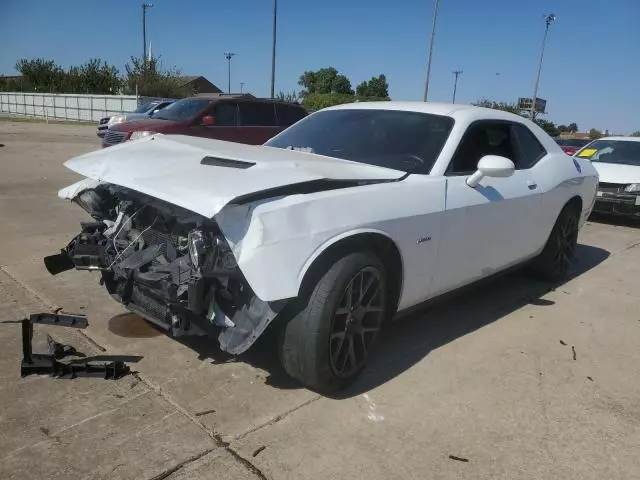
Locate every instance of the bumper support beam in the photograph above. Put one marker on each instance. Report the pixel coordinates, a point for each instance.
(48, 364)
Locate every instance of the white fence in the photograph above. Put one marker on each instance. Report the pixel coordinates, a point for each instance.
(87, 108)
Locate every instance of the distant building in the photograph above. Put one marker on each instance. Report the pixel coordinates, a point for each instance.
(199, 84)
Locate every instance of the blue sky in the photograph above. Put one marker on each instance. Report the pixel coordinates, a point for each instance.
(590, 75)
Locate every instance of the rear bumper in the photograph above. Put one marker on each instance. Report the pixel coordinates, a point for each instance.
(626, 204)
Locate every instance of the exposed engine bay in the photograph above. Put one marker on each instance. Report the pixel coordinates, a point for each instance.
(167, 264)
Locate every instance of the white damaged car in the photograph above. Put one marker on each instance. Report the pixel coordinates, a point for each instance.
(350, 216)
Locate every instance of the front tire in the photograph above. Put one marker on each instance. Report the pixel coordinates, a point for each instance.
(555, 259)
(326, 343)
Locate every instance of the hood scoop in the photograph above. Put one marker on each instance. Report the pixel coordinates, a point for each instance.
(226, 162)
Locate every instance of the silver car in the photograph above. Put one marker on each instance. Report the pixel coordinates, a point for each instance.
(144, 110)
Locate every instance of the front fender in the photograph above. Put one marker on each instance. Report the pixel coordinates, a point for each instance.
(276, 241)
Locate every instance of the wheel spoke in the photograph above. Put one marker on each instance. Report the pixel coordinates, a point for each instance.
(352, 355)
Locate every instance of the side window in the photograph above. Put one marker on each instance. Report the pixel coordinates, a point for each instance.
(289, 114)
(530, 148)
(226, 114)
(482, 138)
(257, 114)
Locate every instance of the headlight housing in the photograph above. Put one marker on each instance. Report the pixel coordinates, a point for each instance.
(632, 188)
(117, 119)
(141, 134)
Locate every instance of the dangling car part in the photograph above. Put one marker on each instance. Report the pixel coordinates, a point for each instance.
(350, 215)
(50, 364)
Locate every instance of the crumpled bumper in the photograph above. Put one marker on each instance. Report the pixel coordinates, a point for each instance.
(627, 204)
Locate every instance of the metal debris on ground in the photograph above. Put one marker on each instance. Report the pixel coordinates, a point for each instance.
(459, 459)
(205, 412)
(562, 342)
(573, 349)
(258, 450)
(42, 364)
(589, 378)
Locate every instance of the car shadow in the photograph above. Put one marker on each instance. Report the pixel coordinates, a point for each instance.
(408, 340)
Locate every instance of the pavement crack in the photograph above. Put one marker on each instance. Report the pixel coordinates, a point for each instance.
(276, 419)
(216, 437)
(42, 299)
(167, 473)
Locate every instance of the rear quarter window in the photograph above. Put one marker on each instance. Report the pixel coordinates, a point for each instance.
(289, 114)
(257, 114)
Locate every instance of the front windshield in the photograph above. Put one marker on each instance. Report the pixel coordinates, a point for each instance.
(402, 140)
(184, 109)
(625, 152)
(145, 107)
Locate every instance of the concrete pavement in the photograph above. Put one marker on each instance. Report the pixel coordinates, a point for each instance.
(482, 377)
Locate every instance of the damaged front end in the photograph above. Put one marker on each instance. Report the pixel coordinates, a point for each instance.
(167, 264)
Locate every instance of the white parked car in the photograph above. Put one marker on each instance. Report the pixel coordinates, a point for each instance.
(617, 161)
(351, 215)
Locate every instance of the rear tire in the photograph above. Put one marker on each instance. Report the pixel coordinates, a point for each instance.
(326, 340)
(555, 259)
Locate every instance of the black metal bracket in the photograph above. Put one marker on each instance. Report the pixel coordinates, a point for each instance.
(43, 364)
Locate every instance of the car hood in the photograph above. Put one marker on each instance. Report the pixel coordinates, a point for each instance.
(617, 173)
(144, 122)
(171, 168)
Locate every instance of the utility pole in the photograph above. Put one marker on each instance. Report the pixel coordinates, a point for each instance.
(241, 87)
(433, 35)
(229, 56)
(145, 7)
(273, 49)
(456, 74)
(548, 20)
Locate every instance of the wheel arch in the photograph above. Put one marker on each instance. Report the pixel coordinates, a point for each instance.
(377, 241)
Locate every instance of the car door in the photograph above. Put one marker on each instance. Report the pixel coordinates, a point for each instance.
(492, 226)
(257, 122)
(225, 123)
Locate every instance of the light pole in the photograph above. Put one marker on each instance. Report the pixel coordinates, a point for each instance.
(145, 7)
(433, 35)
(456, 74)
(549, 18)
(228, 56)
(273, 49)
(241, 87)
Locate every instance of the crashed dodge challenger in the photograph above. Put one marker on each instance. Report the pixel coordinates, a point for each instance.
(346, 218)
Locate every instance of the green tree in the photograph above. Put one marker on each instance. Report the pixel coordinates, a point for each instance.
(376, 87)
(563, 128)
(635, 134)
(548, 126)
(593, 134)
(504, 106)
(573, 127)
(292, 97)
(153, 80)
(325, 80)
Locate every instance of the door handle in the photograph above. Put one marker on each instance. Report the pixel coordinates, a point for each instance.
(531, 185)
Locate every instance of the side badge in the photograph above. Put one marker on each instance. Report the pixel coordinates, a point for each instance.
(423, 239)
(577, 164)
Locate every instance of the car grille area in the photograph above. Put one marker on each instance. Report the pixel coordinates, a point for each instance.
(114, 137)
(611, 187)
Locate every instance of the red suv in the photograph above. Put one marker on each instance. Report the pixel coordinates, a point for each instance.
(242, 119)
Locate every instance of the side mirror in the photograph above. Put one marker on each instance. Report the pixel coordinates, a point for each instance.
(208, 120)
(491, 166)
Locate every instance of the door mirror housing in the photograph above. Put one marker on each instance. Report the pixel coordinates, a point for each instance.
(491, 166)
(208, 120)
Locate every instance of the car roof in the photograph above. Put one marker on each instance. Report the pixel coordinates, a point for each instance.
(621, 139)
(457, 111)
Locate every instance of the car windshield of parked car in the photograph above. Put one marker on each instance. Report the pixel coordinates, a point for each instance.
(184, 109)
(145, 107)
(572, 142)
(402, 140)
(612, 151)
